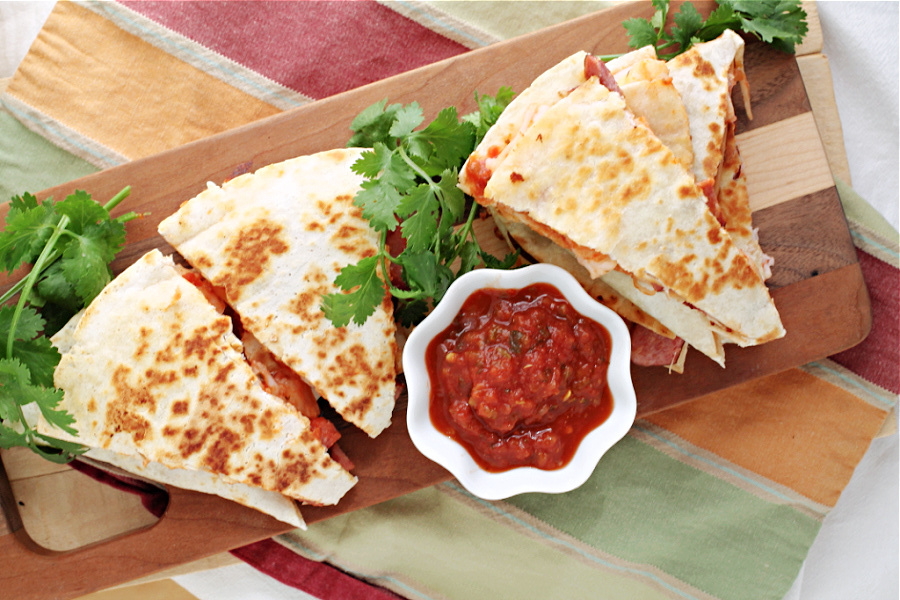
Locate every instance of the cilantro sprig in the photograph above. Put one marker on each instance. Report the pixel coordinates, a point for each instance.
(68, 245)
(410, 188)
(781, 23)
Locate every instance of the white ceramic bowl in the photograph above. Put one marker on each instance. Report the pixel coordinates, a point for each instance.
(456, 459)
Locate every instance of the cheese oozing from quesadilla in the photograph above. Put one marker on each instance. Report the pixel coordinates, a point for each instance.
(274, 241)
(158, 385)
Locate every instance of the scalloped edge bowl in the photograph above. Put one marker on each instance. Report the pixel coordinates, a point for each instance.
(456, 459)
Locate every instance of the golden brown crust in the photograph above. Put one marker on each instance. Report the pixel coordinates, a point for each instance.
(152, 370)
(275, 240)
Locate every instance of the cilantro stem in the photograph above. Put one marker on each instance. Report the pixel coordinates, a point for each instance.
(115, 200)
(42, 260)
(414, 166)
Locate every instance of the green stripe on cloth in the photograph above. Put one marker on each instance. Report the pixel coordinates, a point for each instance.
(429, 545)
(652, 508)
(659, 526)
(476, 24)
(30, 163)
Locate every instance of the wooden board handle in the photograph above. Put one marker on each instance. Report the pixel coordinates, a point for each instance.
(31, 572)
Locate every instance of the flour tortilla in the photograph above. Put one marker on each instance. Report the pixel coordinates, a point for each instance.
(643, 79)
(275, 240)
(597, 181)
(705, 76)
(156, 382)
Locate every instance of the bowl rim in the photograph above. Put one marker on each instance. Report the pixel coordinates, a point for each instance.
(451, 455)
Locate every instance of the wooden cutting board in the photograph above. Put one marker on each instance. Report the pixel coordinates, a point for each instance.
(817, 286)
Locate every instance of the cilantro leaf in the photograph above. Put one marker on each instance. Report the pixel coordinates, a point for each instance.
(781, 23)
(82, 211)
(69, 245)
(411, 185)
(372, 126)
(29, 325)
(489, 109)
(420, 209)
(450, 141)
(41, 358)
(17, 391)
(688, 22)
(28, 227)
(778, 22)
(406, 119)
(85, 264)
(363, 292)
(454, 198)
(641, 33)
(379, 201)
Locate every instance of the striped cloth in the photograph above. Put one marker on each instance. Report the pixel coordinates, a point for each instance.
(720, 498)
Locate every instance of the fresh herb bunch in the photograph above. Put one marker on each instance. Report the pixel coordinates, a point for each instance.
(410, 187)
(781, 23)
(69, 245)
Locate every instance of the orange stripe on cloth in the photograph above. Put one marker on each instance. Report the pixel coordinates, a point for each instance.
(149, 111)
(792, 428)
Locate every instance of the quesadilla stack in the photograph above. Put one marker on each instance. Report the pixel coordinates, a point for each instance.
(271, 244)
(589, 168)
(158, 386)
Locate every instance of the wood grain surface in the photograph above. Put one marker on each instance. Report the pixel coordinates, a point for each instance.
(816, 283)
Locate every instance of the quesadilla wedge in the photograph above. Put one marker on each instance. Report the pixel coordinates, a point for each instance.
(593, 178)
(705, 76)
(156, 381)
(273, 242)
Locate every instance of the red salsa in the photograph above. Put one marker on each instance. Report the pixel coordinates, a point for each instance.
(519, 378)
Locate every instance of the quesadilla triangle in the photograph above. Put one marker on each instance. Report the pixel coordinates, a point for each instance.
(156, 381)
(705, 76)
(273, 243)
(643, 80)
(593, 178)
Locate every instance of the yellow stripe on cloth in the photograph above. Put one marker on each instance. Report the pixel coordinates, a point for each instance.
(768, 425)
(152, 110)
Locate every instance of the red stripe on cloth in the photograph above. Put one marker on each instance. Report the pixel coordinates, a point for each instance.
(316, 48)
(877, 358)
(318, 579)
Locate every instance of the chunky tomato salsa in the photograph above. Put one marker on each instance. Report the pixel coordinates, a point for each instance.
(519, 378)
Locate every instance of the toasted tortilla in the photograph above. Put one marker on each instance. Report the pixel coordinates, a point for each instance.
(595, 179)
(705, 76)
(275, 240)
(155, 379)
(650, 95)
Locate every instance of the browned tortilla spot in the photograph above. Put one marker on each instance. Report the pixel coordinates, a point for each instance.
(686, 276)
(714, 235)
(225, 443)
(246, 257)
(740, 274)
(128, 396)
